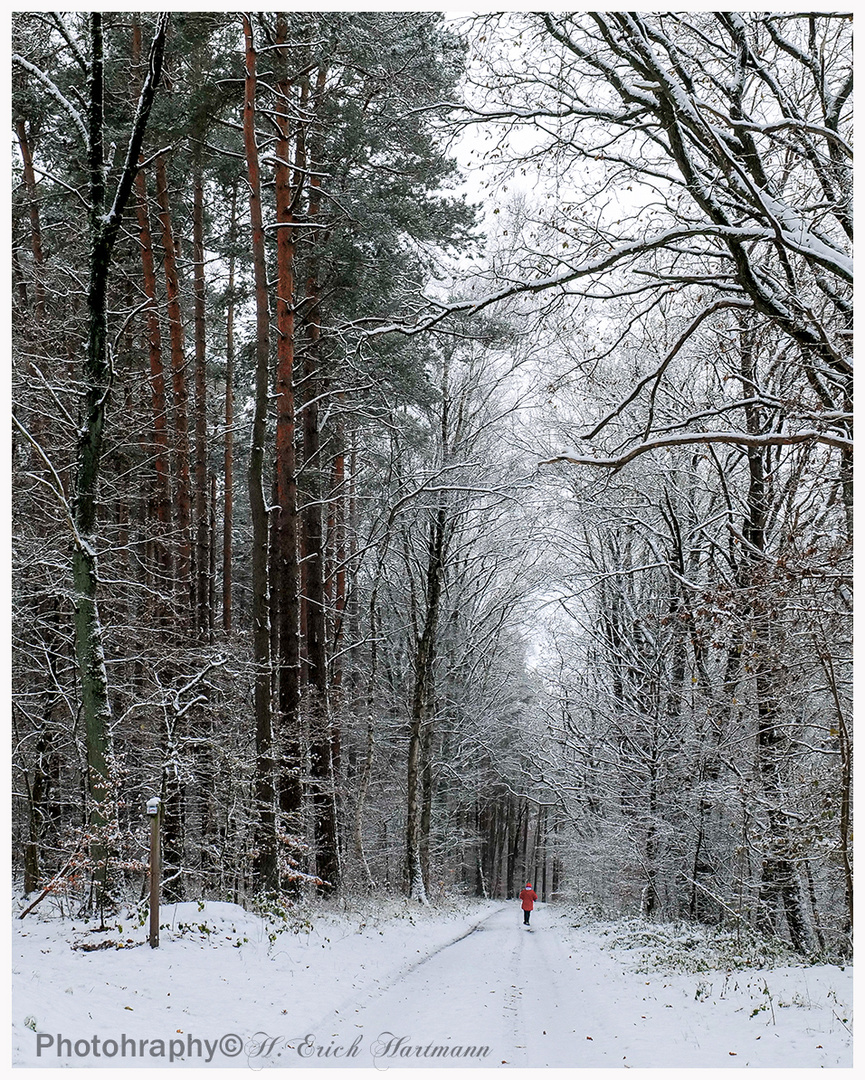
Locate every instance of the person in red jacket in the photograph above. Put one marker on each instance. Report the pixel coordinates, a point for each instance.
(528, 897)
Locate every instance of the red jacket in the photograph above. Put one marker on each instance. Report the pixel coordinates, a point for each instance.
(528, 897)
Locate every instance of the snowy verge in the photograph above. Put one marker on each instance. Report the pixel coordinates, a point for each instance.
(693, 994)
(221, 976)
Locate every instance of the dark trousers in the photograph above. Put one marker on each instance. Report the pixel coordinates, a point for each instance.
(526, 916)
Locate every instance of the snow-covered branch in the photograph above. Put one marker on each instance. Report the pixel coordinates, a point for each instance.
(55, 92)
(730, 438)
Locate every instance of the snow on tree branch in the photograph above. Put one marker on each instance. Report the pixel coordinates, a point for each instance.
(732, 438)
(58, 96)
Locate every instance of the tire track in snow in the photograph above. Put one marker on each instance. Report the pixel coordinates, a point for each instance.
(494, 985)
(551, 999)
(538, 995)
(514, 1005)
(454, 996)
(329, 1028)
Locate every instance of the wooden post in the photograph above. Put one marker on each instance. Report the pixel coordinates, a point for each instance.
(154, 810)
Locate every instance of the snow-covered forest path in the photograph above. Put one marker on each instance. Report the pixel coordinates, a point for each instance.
(498, 986)
(540, 998)
(392, 985)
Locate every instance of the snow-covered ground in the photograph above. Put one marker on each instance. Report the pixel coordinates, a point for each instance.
(397, 985)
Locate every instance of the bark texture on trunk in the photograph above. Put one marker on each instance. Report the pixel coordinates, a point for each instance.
(266, 861)
(35, 220)
(161, 453)
(779, 873)
(98, 377)
(423, 703)
(313, 608)
(286, 570)
(202, 522)
(182, 482)
(228, 458)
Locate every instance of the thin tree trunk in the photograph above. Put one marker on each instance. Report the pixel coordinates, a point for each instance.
(266, 862)
(182, 485)
(228, 460)
(365, 778)
(649, 900)
(780, 879)
(286, 570)
(846, 781)
(312, 555)
(315, 625)
(161, 465)
(35, 223)
(544, 854)
(336, 592)
(482, 888)
(427, 781)
(211, 573)
(539, 851)
(172, 794)
(422, 705)
(160, 508)
(366, 772)
(36, 797)
(202, 523)
(515, 817)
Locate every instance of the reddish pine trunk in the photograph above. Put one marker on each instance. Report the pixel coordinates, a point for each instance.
(285, 552)
(336, 582)
(38, 424)
(178, 379)
(162, 493)
(312, 563)
(202, 539)
(315, 630)
(35, 224)
(266, 863)
(228, 468)
(211, 573)
(160, 504)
